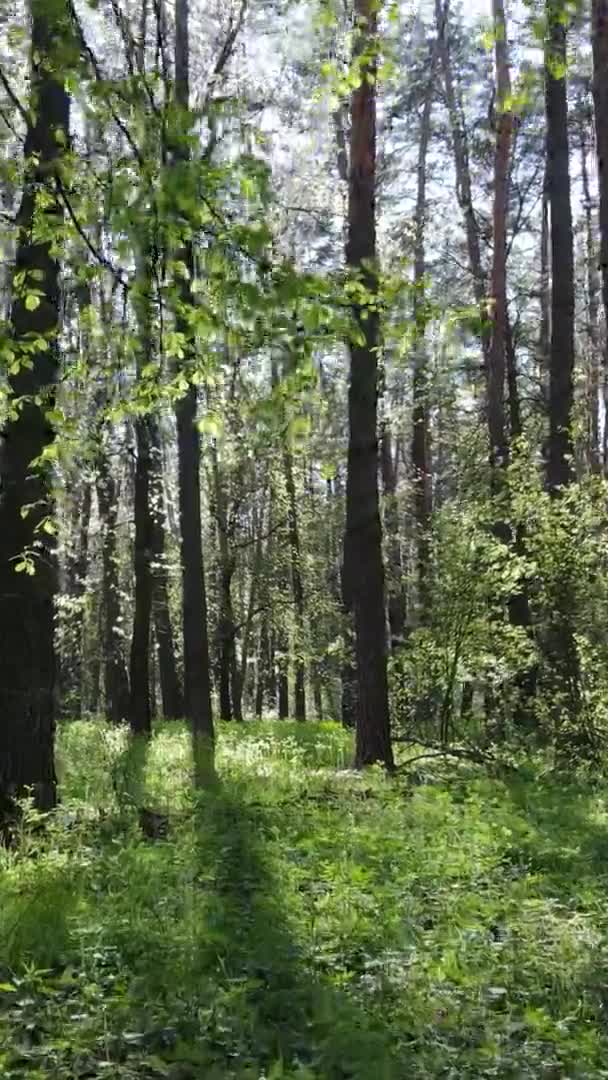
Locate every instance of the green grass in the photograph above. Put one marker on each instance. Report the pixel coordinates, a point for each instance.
(304, 921)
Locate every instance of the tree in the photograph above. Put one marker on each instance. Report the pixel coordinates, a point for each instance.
(197, 680)
(364, 570)
(561, 652)
(28, 582)
(561, 361)
(498, 296)
(599, 11)
(116, 681)
(421, 433)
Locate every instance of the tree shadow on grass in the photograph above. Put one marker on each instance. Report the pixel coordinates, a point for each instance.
(560, 840)
(271, 1009)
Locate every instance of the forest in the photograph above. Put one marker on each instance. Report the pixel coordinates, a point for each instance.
(303, 539)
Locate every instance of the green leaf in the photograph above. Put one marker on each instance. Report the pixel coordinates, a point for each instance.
(32, 301)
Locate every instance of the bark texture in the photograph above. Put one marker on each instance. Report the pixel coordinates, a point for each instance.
(364, 568)
(27, 655)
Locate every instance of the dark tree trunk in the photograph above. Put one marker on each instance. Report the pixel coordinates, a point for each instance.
(261, 670)
(421, 428)
(593, 328)
(265, 684)
(497, 353)
(512, 383)
(27, 655)
(600, 97)
(225, 640)
(170, 688)
(561, 654)
(561, 373)
(226, 631)
(298, 590)
(197, 681)
(140, 718)
(116, 683)
(72, 667)
(464, 191)
(544, 334)
(240, 677)
(363, 541)
(396, 587)
(317, 691)
(282, 660)
(197, 685)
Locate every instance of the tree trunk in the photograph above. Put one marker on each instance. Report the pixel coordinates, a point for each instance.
(116, 683)
(261, 669)
(544, 334)
(72, 667)
(241, 672)
(396, 588)
(498, 288)
(197, 681)
(600, 97)
(561, 373)
(363, 540)
(515, 425)
(460, 144)
(298, 590)
(170, 689)
(225, 629)
(421, 434)
(561, 654)
(140, 718)
(282, 661)
(593, 329)
(27, 655)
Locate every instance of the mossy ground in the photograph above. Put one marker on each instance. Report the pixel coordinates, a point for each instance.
(303, 921)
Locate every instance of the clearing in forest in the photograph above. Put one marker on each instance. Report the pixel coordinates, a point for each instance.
(303, 921)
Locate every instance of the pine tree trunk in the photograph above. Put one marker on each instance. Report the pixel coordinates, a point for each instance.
(593, 329)
(396, 588)
(498, 287)
(464, 191)
(600, 97)
(363, 541)
(561, 374)
(197, 680)
(421, 433)
(561, 654)
(599, 10)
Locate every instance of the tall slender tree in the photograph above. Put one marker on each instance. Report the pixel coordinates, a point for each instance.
(197, 679)
(27, 656)
(497, 353)
(364, 570)
(561, 360)
(599, 10)
(421, 427)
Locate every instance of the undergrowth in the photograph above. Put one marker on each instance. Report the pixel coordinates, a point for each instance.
(303, 921)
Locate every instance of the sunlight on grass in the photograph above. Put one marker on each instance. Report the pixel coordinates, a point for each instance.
(304, 921)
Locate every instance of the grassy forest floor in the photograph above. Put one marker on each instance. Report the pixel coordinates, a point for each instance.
(304, 921)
